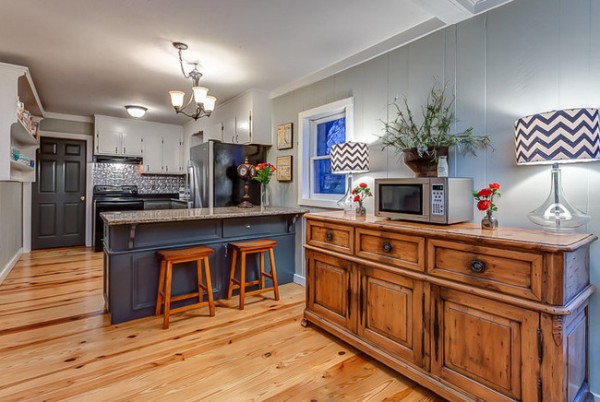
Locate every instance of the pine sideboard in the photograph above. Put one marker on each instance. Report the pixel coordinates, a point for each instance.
(472, 314)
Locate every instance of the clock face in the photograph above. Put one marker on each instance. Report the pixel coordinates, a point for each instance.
(242, 170)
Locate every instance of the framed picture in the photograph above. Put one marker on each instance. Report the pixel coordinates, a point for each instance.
(284, 168)
(285, 136)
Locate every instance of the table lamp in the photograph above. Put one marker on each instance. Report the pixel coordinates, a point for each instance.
(563, 136)
(348, 158)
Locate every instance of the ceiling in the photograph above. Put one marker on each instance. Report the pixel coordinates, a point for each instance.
(93, 57)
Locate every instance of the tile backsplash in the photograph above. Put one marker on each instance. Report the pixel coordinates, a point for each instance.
(116, 174)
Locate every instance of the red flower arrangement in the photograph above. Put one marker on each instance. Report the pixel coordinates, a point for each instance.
(485, 197)
(361, 192)
(264, 171)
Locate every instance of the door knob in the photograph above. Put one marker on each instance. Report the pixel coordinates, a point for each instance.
(82, 198)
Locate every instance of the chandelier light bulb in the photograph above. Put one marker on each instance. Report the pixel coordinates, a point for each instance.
(209, 103)
(200, 94)
(177, 98)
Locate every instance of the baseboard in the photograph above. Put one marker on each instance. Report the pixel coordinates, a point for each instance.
(8, 267)
(300, 280)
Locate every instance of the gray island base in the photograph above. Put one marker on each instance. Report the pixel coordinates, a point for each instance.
(131, 240)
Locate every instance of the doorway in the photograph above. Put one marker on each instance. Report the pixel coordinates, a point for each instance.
(58, 195)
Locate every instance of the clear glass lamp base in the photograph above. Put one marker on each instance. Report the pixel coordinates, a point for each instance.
(347, 201)
(557, 215)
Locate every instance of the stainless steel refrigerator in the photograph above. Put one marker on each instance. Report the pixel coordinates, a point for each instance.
(212, 174)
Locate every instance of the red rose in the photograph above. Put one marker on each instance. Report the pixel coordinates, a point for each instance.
(363, 185)
(495, 186)
(484, 192)
(483, 205)
(353, 191)
(356, 198)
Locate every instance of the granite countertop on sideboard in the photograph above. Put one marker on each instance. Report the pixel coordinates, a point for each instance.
(173, 215)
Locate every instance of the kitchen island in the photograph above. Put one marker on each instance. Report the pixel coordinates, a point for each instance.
(131, 240)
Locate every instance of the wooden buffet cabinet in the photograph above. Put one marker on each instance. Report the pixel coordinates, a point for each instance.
(471, 314)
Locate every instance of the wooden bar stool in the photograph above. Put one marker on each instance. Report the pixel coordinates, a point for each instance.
(252, 247)
(172, 257)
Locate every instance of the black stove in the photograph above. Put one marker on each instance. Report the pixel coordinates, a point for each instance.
(112, 199)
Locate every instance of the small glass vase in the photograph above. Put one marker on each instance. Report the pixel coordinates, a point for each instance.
(264, 196)
(360, 210)
(489, 221)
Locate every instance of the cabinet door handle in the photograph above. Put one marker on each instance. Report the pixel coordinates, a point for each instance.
(247, 226)
(124, 150)
(477, 266)
(329, 236)
(147, 168)
(387, 247)
(166, 168)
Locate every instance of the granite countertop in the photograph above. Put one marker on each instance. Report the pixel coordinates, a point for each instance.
(194, 214)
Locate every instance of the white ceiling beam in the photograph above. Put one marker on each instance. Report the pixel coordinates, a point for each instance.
(454, 11)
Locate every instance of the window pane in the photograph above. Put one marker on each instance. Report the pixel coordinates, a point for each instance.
(326, 182)
(330, 133)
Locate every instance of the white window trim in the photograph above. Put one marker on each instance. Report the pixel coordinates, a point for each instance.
(305, 118)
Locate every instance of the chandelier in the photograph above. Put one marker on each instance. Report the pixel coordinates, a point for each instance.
(204, 104)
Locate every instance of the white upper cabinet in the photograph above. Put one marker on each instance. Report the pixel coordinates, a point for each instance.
(158, 144)
(19, 138)
(245, 119)
(119, 137)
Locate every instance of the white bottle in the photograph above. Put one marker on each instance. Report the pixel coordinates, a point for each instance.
(442, 167)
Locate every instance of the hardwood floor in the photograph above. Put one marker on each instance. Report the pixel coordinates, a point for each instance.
(56, 343)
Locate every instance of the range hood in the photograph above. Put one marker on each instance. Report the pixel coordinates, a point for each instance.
(131, 160)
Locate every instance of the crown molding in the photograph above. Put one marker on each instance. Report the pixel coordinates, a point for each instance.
(69, 117)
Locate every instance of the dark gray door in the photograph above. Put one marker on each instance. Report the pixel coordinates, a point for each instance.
(58, 204)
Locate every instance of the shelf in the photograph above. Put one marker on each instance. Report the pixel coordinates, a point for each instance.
(22, 135)
(19, 166)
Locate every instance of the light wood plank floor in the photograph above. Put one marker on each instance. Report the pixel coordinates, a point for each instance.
(56, 343)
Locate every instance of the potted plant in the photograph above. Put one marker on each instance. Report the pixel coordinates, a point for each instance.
(421, 144)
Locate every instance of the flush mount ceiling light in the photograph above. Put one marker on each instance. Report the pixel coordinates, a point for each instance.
(136, 111)
(204, 104)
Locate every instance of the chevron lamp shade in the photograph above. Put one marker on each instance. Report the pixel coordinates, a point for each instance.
(349, 157)
(563, 136)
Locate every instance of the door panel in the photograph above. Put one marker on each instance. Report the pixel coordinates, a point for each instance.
(331, 283)
(58, 196)
(392, 313)
(485, 346)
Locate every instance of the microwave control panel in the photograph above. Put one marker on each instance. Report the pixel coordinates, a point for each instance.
(437, 199)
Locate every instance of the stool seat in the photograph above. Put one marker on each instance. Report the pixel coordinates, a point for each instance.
(199, 254)
(186, 254)
(257, 246)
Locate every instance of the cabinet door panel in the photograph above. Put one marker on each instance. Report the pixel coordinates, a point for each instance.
(486, 347)
(153, 154)
(391, 313)
(131, 143)
(108, 142)
(329, 289)
(171, 154)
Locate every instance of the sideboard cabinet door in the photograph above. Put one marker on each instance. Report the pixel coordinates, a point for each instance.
(330, 289)
(483, 346)
(391, 313)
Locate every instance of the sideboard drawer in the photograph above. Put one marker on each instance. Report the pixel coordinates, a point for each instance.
(391, 248)
(330, 236)
(512, 272)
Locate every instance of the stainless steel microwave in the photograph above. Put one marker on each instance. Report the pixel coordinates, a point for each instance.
(443, 200)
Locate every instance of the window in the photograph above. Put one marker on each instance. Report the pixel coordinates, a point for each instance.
(319, 129)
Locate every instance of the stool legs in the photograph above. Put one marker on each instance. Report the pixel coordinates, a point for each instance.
(273, 274)
(209, 293)
(167, 310)
(242, 283)
(161, 287)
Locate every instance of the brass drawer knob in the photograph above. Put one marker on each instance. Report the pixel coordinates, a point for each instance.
(329, 236)
(477, 266)
(387, 247)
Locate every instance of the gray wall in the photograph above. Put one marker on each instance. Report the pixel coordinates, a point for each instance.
(11, 227)
(67, 126)
(526, 57)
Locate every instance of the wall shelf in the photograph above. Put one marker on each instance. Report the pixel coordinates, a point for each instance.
(22, 135)
(20, 166)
